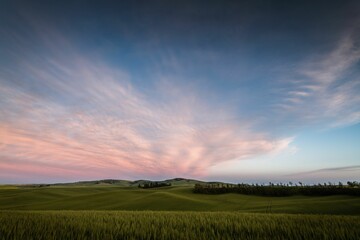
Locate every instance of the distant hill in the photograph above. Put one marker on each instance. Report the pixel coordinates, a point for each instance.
(125, 183)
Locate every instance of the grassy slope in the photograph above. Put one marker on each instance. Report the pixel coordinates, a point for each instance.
(110, 197)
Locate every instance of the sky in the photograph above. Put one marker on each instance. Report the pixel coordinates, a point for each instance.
(237, 91)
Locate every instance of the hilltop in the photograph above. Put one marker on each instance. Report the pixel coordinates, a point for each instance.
(125, 183)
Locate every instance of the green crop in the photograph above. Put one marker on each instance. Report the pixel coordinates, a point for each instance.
(175, 198)
(173, 225)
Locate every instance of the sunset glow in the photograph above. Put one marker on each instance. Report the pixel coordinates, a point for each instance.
(164, 90)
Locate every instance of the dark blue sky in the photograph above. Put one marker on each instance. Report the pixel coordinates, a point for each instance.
(250, 90)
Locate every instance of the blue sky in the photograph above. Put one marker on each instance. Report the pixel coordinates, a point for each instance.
(254, 91)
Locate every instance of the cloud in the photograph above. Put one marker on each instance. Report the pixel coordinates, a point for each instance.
(324, 90)
(344, 173)
(66, 114)
(346, 168)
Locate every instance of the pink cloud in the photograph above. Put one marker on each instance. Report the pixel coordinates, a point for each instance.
(95, 121)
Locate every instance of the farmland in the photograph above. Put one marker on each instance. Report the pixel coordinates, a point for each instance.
(175, 198)
(173, 225)
(116, 211)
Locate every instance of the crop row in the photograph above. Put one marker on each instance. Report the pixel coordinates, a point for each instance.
(173, 225)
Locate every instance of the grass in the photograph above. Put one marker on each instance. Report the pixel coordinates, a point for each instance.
(101, 211)
(173, 225)
(177, 198)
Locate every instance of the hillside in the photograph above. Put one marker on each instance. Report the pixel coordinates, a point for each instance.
(119, 183)
(174, 198)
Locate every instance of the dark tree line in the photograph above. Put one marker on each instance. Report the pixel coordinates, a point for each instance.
(281, 190)
(154, 185)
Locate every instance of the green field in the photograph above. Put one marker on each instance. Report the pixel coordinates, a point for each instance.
(177, 198)
(173, 225)
(112, 211)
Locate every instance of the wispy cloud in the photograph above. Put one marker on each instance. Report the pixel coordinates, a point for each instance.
(346, 168)
(80, 117)
(325, 89)
(345, 173)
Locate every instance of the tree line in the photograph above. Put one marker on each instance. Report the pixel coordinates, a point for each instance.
(154, 185)
(281, 190)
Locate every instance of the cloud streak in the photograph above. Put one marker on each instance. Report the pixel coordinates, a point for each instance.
(324, 90)
(345, 173)
(80, 117)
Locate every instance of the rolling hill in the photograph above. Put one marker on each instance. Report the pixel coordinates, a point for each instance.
(100, 196)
